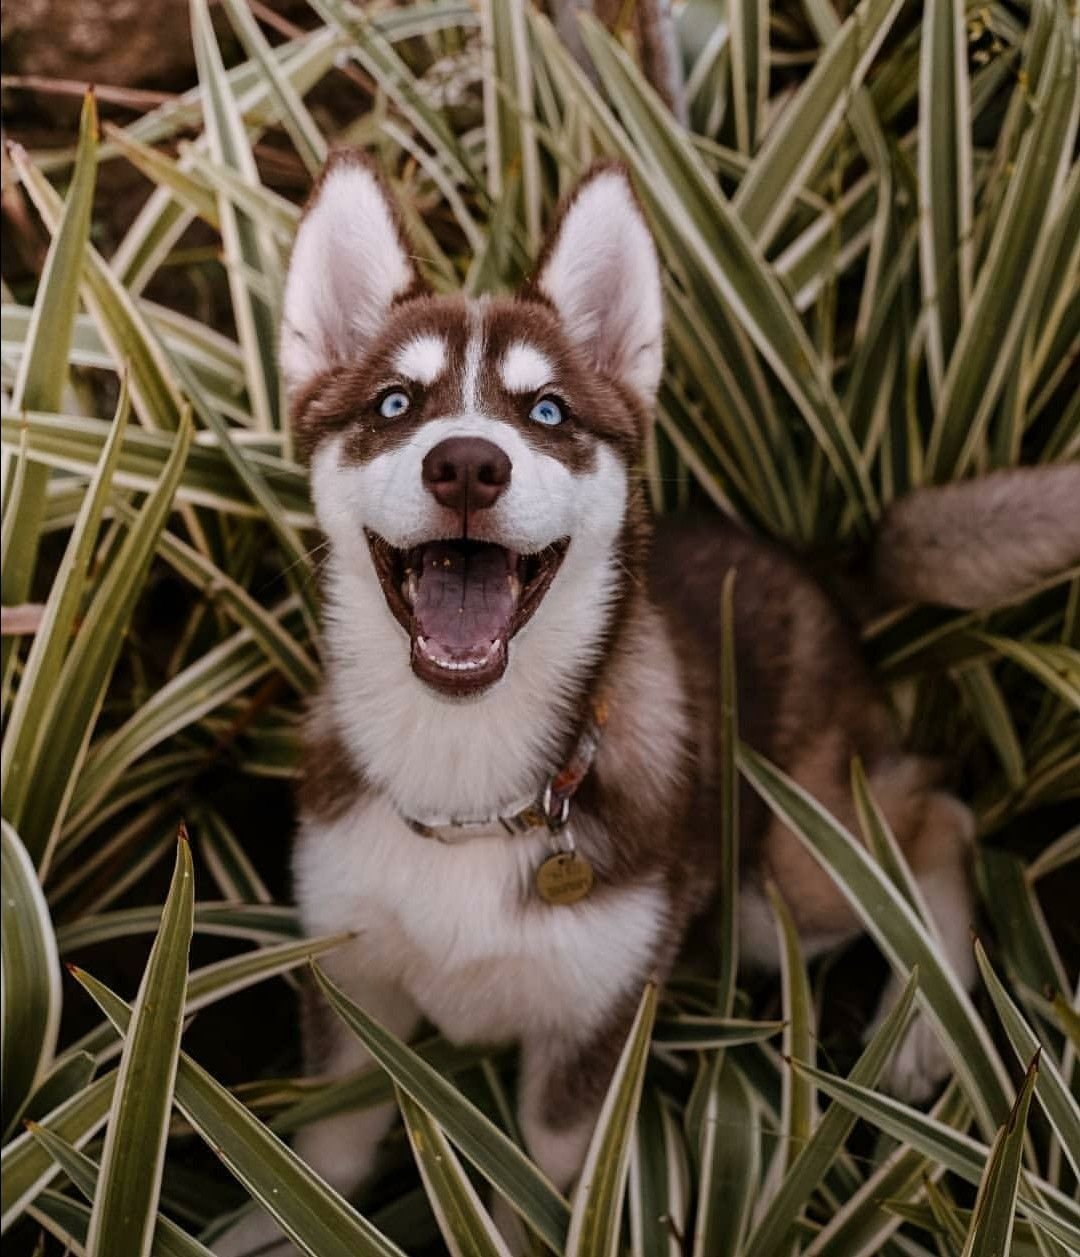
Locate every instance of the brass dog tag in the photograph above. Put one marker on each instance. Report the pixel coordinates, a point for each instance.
(564, 878)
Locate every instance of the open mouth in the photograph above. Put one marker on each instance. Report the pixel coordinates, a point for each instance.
(461, 602)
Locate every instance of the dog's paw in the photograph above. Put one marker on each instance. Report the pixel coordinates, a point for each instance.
(919, 1066)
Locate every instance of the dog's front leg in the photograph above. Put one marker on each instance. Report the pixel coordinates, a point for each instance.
(561, 1086)
(342, 1149)
(339, 1149)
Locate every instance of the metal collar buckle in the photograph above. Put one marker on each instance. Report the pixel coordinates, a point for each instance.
(556, 808)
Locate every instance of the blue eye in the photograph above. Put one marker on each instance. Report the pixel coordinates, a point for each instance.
(394, 405)
(548, 412)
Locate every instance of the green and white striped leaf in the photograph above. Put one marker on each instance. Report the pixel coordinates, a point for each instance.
(25, 739)
(749, 61)
(84, 676)
(312, 1214)
(39, 384)
(809, 123)
(65, 1079)
(168, 1238)
(808, 1167)
(862, 1224)
(729, 803)
(1004, 292)
(305, 135)
(121, 323)
(719, 250)
(75, 444)
(25, 1167)
(659, 1185)
(508, 111)
(1059, 854)
(1046, 1206)
(797, 1099)
(258, 923)
(494, 1155)
(30, 968)
(945, 180)
(63, 1218)
(596, 1221)
(230, 865)
(214, 982)
(729, 1161)
(995, 1206)
(1051, 1090)
(688, 1032)
(246, 248)
(463, 1221)
(889, 919)
(124, 1210)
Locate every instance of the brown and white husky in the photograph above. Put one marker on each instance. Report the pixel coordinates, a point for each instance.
(494, 582)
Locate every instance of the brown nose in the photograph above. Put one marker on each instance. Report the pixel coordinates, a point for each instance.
(466, 473)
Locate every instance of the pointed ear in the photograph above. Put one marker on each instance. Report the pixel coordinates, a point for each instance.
(601, 273)
(349, 262)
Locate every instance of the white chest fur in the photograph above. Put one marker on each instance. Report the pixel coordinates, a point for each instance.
(461, 929)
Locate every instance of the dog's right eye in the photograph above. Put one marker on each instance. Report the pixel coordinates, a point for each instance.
(548, 412)
(394, 405)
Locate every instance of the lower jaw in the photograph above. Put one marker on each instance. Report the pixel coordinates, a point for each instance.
(468, 679)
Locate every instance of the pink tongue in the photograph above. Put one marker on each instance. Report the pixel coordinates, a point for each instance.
(463, 598)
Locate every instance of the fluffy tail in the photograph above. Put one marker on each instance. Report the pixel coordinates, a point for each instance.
(979, 543)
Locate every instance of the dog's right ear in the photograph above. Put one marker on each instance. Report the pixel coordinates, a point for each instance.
(349, 263)
(600, 272)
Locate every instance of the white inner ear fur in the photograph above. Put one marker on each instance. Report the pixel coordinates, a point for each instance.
(347, 266)
(604, 279)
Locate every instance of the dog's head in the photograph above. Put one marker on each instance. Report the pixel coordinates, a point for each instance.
(473, 455)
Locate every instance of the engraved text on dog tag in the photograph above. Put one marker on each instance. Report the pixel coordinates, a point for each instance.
(564, 878)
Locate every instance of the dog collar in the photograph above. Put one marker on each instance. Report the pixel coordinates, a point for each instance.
(550, 810)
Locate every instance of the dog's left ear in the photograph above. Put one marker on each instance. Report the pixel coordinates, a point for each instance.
(350, 262)
(601, 273)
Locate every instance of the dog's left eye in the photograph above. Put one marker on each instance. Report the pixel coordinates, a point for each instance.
(394, 405)
(547, 411)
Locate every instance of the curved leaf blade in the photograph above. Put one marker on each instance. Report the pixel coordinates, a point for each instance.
(25, 1167)
(463, 1221)
(125, 1203)
(995, 1206)
(496, 1157)
(43, 369)
(891, 921)
(310, 1212)
(596, 1221)
(30, 966)
(169, 1240)
(1051, 1090)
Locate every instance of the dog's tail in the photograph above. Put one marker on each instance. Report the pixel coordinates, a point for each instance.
(979, 543)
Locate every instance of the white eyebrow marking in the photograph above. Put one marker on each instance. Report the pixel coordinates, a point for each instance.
(525, 369)
(422, 359)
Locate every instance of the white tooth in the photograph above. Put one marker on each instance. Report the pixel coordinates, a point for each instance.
(412, 586)
(515, 585)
